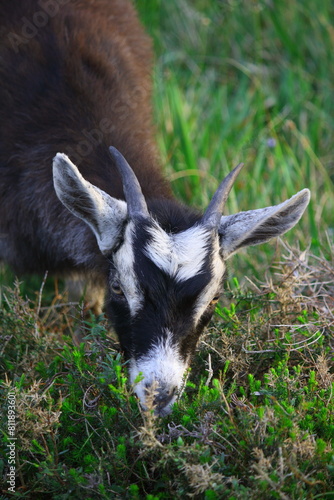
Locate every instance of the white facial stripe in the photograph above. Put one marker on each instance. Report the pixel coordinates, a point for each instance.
(180, 255)
(162, 365)
(217, 269)
(124, 262)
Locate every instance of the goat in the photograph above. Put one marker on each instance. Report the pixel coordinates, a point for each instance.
(75, 86)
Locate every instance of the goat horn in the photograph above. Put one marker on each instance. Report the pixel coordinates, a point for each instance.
(134, 197)
(215, 209)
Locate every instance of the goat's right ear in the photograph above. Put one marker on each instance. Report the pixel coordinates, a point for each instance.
(104, 215)
(258, 226)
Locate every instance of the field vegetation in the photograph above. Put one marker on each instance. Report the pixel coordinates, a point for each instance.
(234, 81)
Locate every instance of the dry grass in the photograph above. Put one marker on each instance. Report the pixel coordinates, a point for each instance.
(256, 418)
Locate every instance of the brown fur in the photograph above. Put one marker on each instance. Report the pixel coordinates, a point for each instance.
(77, 84)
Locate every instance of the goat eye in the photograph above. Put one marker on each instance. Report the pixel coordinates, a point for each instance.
(116, 288)
(215, 300)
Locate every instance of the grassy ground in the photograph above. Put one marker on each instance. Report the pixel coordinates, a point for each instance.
(235, 81)
(252, 82)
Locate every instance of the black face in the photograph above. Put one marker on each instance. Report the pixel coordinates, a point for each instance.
(167, 307)
(162, 293)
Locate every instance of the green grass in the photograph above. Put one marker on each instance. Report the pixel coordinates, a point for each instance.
(256, 419)
(235, 81)
(234, 78)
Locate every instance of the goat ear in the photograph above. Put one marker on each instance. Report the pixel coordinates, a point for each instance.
(104, 215)
(257, 226)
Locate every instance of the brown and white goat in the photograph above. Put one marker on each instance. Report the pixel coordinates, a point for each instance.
(75, 80)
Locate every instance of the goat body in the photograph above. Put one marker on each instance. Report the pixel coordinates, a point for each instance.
(75, 79)
(75, 85)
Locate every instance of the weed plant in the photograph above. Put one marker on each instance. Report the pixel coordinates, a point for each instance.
(256, 419)
(235, 81)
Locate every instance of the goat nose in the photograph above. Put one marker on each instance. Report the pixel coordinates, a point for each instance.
(162, 396)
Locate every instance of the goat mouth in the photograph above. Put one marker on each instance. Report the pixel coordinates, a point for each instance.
(158, 377)
(165, 410)
(158, 405)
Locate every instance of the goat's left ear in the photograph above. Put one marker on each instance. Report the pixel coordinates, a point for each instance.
(257, 226)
